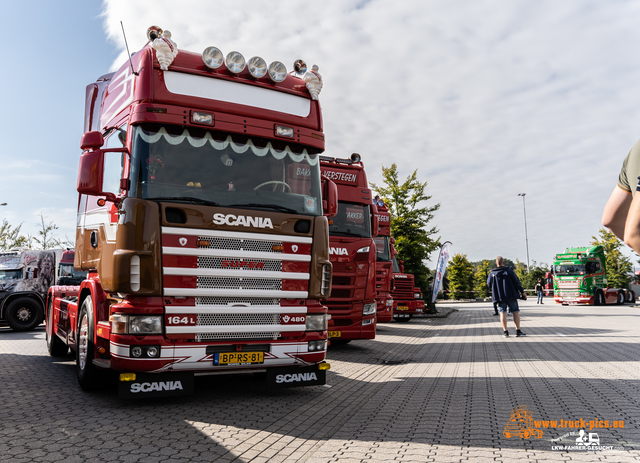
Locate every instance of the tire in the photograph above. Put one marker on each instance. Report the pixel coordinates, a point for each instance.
(599, 299)
(55, 345)
(24, 314)
(620, 298)
(632, 297)
(88, 375)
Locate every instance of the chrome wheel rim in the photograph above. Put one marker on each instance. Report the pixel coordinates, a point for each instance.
(23, 314)
(83, 342)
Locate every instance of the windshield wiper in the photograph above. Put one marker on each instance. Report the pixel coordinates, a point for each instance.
(188, 199)
(268, 206)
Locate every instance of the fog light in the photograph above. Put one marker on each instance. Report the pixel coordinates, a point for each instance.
(202, 118)
(282, 131)
(368, 321)
(127, 376)
(152, 351)
(324, 366)
(136, 351)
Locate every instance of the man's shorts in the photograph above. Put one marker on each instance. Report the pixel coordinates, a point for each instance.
(512, 305)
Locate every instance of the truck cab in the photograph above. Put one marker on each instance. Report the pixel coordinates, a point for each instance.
(202, 224)
(352, 304)
(384, 273)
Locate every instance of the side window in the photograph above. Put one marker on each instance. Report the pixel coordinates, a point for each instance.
(114, 162)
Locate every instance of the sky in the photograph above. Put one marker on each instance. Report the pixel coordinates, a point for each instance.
(486, 99)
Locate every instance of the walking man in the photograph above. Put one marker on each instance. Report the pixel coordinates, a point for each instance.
(539, 291)
(505, 290)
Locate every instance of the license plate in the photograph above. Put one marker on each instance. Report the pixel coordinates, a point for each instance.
(402, 307)
(335, 334)
(238, 358)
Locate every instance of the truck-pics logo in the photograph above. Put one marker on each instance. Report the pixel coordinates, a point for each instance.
(521, 424)
(241, 220)
(338, 251)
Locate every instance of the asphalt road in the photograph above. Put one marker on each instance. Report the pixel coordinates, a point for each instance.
(433, 389)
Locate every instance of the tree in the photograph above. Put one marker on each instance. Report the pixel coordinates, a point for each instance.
(460, 273)
(47, 240)
(409, 221)
(530, 278)
(480, 276)
(10, 236)
(619, 267)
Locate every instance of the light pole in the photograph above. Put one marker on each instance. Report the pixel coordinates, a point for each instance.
(526, 237)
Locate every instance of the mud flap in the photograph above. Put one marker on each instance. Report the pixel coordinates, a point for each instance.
(147, 385)
(295, 376)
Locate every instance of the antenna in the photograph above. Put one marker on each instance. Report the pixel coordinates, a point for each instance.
(127, 45)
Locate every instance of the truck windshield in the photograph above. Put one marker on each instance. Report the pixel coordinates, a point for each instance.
(351, 220)
(11, 274)
(382, 248)
(207, 167)
(67, 270)
(569, 269)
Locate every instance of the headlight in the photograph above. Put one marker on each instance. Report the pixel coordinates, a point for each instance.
(365, 249)
(136, 324)
(235, 62)
(212, 57)
(416, 296)
(369, 309)
(316, 322)
(257, 67)
(389, 302)
(315, 346)
(277, 71)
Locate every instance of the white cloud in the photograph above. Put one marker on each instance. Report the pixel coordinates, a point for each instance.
(486, 99)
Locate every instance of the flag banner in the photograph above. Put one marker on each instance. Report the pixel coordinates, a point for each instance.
(443, 258)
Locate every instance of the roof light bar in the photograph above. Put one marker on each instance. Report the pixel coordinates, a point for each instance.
(257, 67)
(235, 62)
(277, 71)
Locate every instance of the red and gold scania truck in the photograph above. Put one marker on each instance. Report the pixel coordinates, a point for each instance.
(201, 222)
(384, 272)
(352, 304)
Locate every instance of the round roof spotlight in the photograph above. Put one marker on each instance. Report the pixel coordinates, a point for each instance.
(355, 157)
(380, 203)
(299, 66)
(212, 57)
(235, 62)
(257, 67)
(277, 71)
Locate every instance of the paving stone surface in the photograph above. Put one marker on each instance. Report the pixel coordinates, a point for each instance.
(433, 389)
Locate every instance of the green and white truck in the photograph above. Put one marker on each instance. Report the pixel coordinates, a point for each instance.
(580, 277)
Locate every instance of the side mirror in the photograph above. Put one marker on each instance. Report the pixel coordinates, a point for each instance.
(91, 169)
(375, 224)
(91, 141)
(329, 197)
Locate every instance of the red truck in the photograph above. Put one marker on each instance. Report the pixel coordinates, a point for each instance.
(352, 304)
(407, 298)
(201, 224)
(384, 272)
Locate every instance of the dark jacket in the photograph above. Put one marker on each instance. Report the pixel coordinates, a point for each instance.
(504, 284)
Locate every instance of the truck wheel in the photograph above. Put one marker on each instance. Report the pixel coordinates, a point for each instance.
(632, 297)
(599, 298)
(24, 314)
(85, 369)
(620, 298)
(55, 345)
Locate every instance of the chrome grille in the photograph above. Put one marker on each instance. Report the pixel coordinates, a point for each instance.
(216, 263)
(238, 319)
(239, 336)
(239, 283)
(238, 301)
(236, 244)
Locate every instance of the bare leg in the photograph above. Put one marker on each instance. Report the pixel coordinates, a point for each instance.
(516, 320)
(503, 320)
